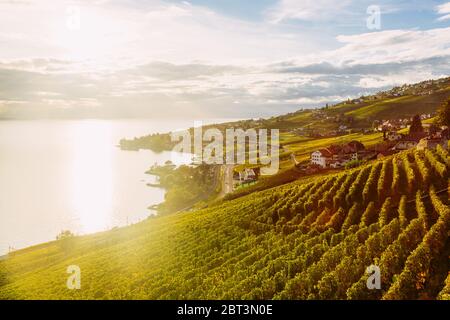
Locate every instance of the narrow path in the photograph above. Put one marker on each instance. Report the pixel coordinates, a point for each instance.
(227, 182)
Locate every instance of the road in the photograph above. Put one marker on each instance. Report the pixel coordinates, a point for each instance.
(227, 183)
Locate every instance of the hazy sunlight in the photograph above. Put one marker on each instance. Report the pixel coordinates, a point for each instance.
(91, 174)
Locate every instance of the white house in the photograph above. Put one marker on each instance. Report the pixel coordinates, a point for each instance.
(248, 175)
(321, 157)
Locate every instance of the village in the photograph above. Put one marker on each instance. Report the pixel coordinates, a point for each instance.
(327, 123)
(420, 136)
(347, 124)
(424, 88)
(352, 154)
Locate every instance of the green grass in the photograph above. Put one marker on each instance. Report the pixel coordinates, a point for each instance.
(289, 242)
(304, 117)
(372, 110)
(303, 149)
(406, 106)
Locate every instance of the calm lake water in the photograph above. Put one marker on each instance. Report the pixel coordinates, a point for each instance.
(70, 175)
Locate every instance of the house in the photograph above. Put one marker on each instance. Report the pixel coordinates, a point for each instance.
(248, 175)
(353, 147)
(432, 143)
(406, 144)
(336, 164)
(245, 176)
(444, 133)
(352, 151)
(425, 116)
(321, 157)
(337, 156)
(393, 136)
(410, 141)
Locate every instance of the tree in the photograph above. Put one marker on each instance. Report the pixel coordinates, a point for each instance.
(65, 234)
(403, 211)
(369, 216)
(65, 240)
(443, 114)
(433, 129)
(386, 213)
(416, 126)
(375, 124)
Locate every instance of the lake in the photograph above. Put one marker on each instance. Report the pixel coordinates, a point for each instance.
(70, 175)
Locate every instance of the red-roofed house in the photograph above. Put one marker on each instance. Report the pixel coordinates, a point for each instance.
(432, 143)
(336, 156)
(410, 141)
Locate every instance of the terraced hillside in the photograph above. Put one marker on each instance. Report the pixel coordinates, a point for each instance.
(312, 239)
(408, 105)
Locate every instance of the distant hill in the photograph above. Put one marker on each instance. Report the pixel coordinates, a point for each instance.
(406, 106)
(357, 114)
(400, 102)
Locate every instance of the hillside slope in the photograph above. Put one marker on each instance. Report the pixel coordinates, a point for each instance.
(408, 106)
(312, 239)
(356, 115)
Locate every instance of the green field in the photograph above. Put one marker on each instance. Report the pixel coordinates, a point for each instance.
(303, 149)
(310, 239)
(387, 108)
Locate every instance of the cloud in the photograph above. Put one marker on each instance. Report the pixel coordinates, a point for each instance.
(169, 71)
(394, 46)
(306, 10)
(38, 65)
(155, 90)
(443, 9)
(159, 59)
(443, 18)
(117, 34)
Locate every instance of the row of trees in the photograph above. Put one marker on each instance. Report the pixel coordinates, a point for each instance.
(420, 265)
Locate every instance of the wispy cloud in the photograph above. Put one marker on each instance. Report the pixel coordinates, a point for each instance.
(307, 10)
(394, 46)
(443, 9)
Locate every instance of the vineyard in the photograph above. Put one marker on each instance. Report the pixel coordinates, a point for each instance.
(309, 239)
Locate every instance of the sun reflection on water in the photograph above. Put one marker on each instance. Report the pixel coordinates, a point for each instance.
(91, 175)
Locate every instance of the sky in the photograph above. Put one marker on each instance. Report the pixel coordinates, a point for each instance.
(211, 58)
